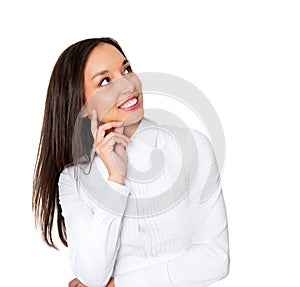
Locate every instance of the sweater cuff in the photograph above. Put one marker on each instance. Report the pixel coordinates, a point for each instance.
(120, 188)
(131, 279)
(108, 195)
(155, 275)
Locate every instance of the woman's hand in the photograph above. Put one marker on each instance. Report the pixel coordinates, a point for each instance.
(111, 282)
(76, 283)
(111, 147)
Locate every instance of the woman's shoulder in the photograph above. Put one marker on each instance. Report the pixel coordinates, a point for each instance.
(182, 133)
(72, 171)
(200, 137)
(188, 135)
(67, 175)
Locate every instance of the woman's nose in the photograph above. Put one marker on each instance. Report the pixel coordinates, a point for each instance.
(125, 85)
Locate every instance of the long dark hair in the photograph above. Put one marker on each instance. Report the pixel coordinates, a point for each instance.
(64, 102)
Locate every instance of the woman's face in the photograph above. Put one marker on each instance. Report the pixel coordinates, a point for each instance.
(108, 83)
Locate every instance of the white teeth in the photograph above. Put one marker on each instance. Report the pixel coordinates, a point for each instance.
(129, 104)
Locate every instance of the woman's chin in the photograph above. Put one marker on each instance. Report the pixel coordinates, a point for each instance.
(133, 118)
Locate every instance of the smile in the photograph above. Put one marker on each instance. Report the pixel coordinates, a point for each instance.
(130, 104)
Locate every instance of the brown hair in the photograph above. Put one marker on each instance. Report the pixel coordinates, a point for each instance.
(64, 101)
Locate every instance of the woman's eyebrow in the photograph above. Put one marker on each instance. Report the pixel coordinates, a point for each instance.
(106, 71)
(125, 62)
(99, 74)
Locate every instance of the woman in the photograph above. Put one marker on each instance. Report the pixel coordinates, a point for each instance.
(95, 152)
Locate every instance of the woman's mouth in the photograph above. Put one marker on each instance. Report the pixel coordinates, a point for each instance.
(130, 104)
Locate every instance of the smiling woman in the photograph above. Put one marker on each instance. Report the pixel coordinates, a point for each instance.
(111, 87)
(95, 151)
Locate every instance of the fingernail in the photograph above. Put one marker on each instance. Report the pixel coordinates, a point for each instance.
(120, 123)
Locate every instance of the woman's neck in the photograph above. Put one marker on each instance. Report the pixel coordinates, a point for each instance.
(130, 129)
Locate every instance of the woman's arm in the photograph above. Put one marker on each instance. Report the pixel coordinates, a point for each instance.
(208, 258)
(93, 237)
(76, 283)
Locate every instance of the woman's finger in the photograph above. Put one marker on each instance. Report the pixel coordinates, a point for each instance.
(119, 130)
(111, 282)
(99, 132)
(110, 144)
(102, 128)
(76, 283)
(94, 123)
(116, 136)
(113, 140)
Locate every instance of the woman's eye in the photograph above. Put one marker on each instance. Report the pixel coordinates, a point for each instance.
(128, 70)
(104, 82)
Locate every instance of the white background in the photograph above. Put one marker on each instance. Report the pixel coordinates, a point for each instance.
(243, 55)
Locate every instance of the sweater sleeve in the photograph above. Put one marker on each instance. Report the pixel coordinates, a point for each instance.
(207, 260)
(93, 235)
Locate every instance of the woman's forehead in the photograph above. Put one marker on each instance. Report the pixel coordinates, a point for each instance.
(104, 56)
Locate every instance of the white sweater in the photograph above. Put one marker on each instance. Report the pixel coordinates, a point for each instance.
(166, 227)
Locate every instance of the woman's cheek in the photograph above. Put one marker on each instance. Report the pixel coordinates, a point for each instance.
(102, 104)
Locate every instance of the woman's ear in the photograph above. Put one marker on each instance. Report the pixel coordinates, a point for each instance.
(85, 112)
